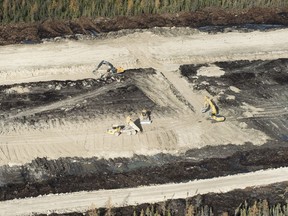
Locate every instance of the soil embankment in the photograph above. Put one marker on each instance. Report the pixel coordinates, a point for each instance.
(35, 32)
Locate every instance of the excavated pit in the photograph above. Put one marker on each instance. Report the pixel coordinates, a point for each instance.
(31, 103)
(254, 93)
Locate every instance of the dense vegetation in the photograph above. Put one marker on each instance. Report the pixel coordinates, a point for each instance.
(37, 10)
(259, 208)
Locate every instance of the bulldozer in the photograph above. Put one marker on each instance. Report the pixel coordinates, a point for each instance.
(130, 128)
(214, 113)
(111, 70)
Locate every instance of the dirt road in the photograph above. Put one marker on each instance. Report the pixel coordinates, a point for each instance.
(70, 60)
(82, 201)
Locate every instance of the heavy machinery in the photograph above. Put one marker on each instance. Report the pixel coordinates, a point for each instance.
(145, 117)
(209, 104)
(111, 70)
(130, 128)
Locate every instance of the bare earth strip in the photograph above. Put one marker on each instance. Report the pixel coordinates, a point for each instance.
(70, 60)
(82, 201)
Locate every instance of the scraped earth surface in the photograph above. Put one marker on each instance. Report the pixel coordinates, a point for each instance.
(55, 112)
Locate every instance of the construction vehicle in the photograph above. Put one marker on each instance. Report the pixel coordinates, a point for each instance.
(130, 128)
(111, 70)
(210, 105)
(145, 117)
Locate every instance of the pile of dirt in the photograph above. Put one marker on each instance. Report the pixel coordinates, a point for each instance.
(34, 32)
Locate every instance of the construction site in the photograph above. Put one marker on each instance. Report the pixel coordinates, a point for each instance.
(116, 123)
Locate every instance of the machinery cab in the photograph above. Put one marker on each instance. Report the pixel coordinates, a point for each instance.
(210, 105)
(145, 117)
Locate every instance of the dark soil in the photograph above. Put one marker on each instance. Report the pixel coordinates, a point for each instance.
(119, 95)
(262, 84)
(44, 176)
(35, 32)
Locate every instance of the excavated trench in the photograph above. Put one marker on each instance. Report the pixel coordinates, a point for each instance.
(31, 103)
(251, 92)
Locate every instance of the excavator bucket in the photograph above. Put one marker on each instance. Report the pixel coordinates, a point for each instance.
(114, 130)
(120, 70)
(218, 118)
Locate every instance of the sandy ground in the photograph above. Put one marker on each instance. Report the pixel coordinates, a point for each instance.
(72, 60)
(83, 201)
(76, 59)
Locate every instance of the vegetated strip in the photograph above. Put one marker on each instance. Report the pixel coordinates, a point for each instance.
(91, 24)
(31, 11)
(131, 196)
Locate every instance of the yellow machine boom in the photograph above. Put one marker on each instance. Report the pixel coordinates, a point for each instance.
(209, 104)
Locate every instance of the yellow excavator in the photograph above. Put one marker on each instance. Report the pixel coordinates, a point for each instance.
(111, 71)
(209, 104)
(130, 128)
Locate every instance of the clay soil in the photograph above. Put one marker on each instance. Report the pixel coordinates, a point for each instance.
(35, 32)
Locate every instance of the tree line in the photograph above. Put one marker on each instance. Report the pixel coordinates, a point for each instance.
(37, 10)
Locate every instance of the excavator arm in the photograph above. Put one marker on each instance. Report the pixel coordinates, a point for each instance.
(103, 62)
(111, 68)
(209, 104)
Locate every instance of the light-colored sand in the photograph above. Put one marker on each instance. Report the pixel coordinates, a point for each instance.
(76, 59)
(210, 71)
